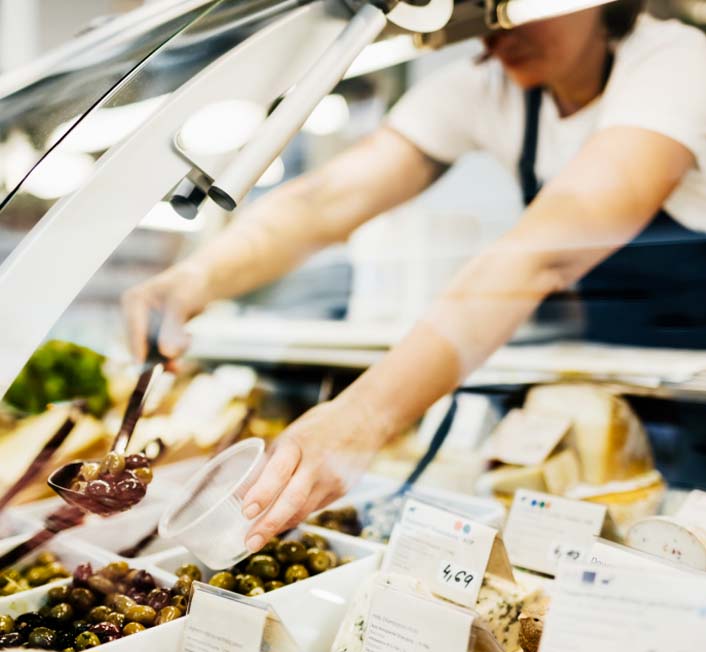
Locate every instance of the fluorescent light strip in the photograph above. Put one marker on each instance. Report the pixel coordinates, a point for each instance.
(518, 12)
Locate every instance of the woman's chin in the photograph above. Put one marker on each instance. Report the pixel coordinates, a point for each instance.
(522, 76)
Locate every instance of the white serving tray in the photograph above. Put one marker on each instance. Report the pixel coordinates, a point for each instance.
(312, 609)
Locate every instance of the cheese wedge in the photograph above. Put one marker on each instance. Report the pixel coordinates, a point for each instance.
(561, 472)
(669, 539)
(609, 438)
(505, 480)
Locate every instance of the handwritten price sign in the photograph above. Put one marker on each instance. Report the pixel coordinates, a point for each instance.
(561, 551)
(455, 575)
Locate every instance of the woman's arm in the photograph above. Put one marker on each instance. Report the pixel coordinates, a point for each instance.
(276, 233)
(605, 197)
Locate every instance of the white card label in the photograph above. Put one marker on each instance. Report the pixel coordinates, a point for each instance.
(403, 622)
(430, 537)
(607, 553)
(526, 439)
(693, 511)
(543, 530)
(620, 609)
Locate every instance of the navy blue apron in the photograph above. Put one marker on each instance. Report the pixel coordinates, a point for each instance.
(652, 292)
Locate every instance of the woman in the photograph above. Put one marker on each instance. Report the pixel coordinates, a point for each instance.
(608, 109)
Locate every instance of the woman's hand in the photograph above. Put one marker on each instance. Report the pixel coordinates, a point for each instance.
(315, 461)
(178, 293)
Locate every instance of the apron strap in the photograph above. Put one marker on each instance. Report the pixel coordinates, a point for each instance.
(528, 158)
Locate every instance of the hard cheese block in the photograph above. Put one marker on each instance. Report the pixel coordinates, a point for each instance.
(608, 437)
(500, 604)
(669, 539)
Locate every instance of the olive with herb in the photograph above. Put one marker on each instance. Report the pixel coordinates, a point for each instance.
(86, 640)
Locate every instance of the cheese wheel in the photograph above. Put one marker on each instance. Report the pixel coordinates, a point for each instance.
(669, 539)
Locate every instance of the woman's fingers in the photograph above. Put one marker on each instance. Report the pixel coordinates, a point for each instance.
(136, 311)
(291, 502)
(317, 498)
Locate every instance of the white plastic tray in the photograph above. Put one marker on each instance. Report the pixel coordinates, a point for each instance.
(313, 608)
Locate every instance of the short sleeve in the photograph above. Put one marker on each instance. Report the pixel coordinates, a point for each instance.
(436, 114)
(659, 84)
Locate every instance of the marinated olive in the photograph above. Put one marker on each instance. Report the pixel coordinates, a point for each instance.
(140, 597)
(247, 583)
(158, 599)
(168, 614)
(141, 614)
(274, 584)
(6, 624)
(99, 614)
(113, 464)
(117, 619)
(64, 639)
(133, 628)
(9, 587)
(87, 640)
(38, 575)
(45, 558)
(82, 599)
(44, 611)
(42, 637)
(141, 579)
(59, 594)
(223, 580)
(179, 601)
(183, 585)
(13, 639)
(106, 631)
(122, 603)
(136, 461)
(291, 552)
(116, 570)
(82, 575)
(263, 566)
(270, 548)
(130, 490)
(79, 626)
(258, 590)
(62, 612)
(191, 570)
(144, 474)
(295, 573)
(101, 584)
(25, 623)
(317, 561)
(333, 557)
(312, 540)
(90, 471)
(101, 489)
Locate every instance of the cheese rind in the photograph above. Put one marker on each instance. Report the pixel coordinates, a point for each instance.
(669, 539)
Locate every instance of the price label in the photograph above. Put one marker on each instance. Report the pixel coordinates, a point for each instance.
(455, 575)
(561, 551)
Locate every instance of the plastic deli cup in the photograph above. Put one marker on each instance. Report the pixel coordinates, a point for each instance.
(207, 516)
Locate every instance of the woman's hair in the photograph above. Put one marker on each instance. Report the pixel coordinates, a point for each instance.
(619, 17)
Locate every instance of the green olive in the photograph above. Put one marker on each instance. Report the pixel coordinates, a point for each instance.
(9, 587)
(42, 637)
(87, 640)
(112, 464)
(122, 603)
(295, 573)
(180, 602)
(38, 575)
(311, 540)
(11, 574)
(59, 594)
(62, 612)
(270, 548)
(141, 614)
(318, 561)
(90, 471)
(258, 590)
(99, 614)
(101, 584)
(144, 474)
(183, 585)
(6, 624)
(44, 611)
(263, 566)
(191, 570)
(117, 619)
(45, 558)
(82, 599)
(115, 570)
(223, 580)
(291, 552)
(248, 582)
(133, 628)
(333, 557)
(273, 585)
(168, 614)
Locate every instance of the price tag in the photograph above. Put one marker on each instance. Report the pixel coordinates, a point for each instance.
(542, 530)
(607, 553)
(618, 609)
(220, 621)
(399, 621)
(429, 537)
(526, 439)
(693, 511)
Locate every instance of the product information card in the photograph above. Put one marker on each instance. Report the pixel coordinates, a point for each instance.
(448, 552)
(220, 621)
(542, 530)
(403, 622)
(626, 609)
(607, 553)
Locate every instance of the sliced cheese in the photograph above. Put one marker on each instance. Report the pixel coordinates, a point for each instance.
(609, 438)
(669, 539)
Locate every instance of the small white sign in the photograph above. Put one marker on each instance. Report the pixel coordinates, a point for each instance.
(526, 439)
(428, 537)
(693, 511)
(404, 622)
(619, 609)
(543, 530)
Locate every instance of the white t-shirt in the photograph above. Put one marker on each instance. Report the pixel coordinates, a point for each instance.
(658, 82)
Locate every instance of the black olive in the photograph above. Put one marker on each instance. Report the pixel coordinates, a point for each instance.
(106, 631)
(82, 574)
(158, 599)
(13, 639)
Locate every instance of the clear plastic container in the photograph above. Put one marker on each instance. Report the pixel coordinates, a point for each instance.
(207, 516)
